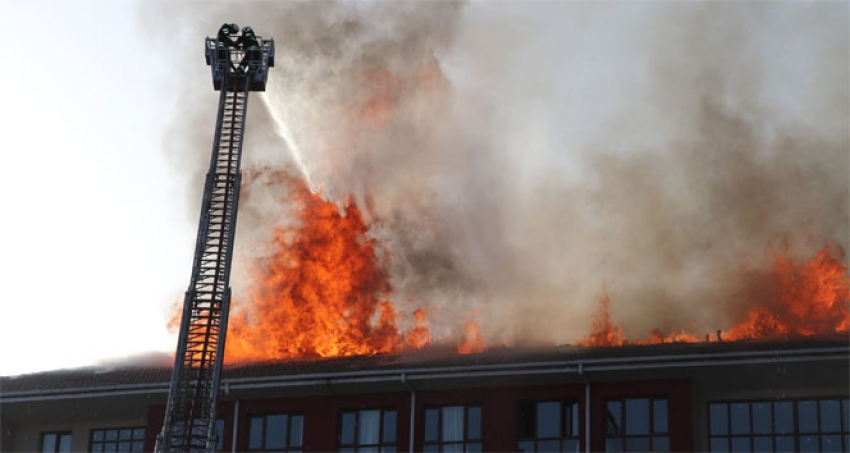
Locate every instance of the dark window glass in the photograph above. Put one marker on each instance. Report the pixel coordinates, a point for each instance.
(638, 422)
(296, 430)
(784, 412)
(255, 433)
(524, 445)
(741, 444)
(48, 443)
(275, 432)
(660, 444)
(809, 443)
(473, 423)
(548, 426)
(800, 425)
(845, 408)
(659, 412)
(571, 445)
(527, 419)
(830, 416)
(431, 417)
(613, 445)
(369, 430)
(450, 428)
(474, 447)
(762, 443)
(807, 416)
(830, 443)
(56, 442)
(718, 419)
(121, 440)
(389, 427)
(549, 446)
(64, 443)
(348, 420)
(548, 419)
(613, 418)
(637, 443)
(762, 418)
(719, 444)
(740, 417)
(571, 423)
(785, 443)
(219, 434)
(637, 417)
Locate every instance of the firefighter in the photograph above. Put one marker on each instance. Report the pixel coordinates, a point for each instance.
(251, 46)
(224, 42)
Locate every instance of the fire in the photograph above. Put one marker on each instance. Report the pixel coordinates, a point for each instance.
(802, 299)
(795, 298)
(323, 291)
(472, 342)
(420, 335)
(603, 332)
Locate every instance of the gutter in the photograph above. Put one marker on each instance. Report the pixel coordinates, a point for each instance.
(453, 372)
(586, 409)
(412, 410)
(230, 394)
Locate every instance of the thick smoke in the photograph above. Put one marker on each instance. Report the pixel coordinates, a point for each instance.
(513, 158)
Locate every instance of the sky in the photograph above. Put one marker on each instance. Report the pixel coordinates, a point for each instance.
(95, 245)
(580, 145)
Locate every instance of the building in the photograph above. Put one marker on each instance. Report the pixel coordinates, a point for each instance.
(713, 396)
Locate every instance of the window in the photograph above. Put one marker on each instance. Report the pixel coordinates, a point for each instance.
(368, 431)
(452, 429)
(796, 425)
(548, 426)
(275, 432)
(56, 442)
(636, 424)
(123, 440)
(219, 434)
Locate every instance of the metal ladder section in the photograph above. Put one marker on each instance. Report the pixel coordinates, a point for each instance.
(200, 351)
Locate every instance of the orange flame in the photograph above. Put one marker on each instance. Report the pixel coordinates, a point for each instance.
(603, 332)
(323, 292)
(801, 299)
(794, 298)
(420, 335)
(472, 342)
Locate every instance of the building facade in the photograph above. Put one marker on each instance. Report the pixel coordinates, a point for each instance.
(741, 396)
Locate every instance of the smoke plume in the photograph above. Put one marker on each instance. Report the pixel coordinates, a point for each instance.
(513, 158)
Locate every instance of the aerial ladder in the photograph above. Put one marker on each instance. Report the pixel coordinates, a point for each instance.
(239, 63)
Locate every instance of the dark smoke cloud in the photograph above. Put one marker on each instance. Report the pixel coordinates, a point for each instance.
(538, 151)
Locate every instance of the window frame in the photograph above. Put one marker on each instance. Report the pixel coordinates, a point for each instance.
(564, 404)
(356, 445)
(103, 442)
(57, 442)
(651, 434)
(439, 442)
(264, 416)
(796, 434)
